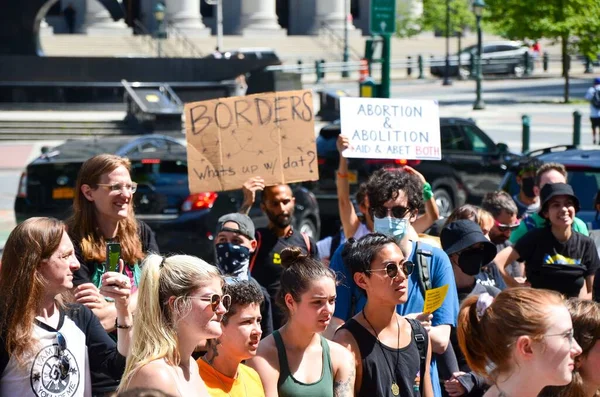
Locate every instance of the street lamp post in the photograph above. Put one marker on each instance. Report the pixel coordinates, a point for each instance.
(219, 4)
(478, 6)
(346, 54)
(159, 16)
(447, 66)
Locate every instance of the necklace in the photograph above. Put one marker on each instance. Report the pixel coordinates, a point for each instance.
(394, 386)
(221, 382)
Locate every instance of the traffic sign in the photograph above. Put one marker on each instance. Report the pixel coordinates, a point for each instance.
(383, 16)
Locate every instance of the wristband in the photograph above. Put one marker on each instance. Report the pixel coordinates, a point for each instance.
(340, 175)
(427, 193)
(121, 326)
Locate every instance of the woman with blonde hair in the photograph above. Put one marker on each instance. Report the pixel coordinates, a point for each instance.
(181, 304)
(586, 330)
(103, 213)
(521, 341)
(48, 345)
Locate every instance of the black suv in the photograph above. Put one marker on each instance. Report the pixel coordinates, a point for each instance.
(471, 165)
(583, 168)
(183, 222)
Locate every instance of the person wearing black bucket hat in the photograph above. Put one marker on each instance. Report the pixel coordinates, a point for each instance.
(555, 256)
(469, 250)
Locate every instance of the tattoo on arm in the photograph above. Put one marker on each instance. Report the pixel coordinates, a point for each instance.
(344, 388)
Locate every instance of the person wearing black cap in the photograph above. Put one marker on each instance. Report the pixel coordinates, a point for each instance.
(468, 250)
(234, 245)
(555, 256)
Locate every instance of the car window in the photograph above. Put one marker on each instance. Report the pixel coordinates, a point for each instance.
(502, 48)
(585, 185)
(170, 172)
(489, 48)
(477, 140)
(453, 138)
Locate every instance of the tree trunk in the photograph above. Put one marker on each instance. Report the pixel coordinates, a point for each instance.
(565, 65)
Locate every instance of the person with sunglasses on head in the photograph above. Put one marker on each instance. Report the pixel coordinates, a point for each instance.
(221, 367)
(546, 173)
(555, 257)
(234, 245)
(51, 346)
(504, 210)
(296, 361)
(586, 331)
(395, 198)
(521, 341)
(469, 250)
(180, 304)
(387, 356)
(103, 213)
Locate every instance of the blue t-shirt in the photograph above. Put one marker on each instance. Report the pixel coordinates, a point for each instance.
(441, 274)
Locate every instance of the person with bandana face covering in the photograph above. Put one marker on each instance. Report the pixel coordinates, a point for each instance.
(527, 200)
(469, 250)
(234, 245)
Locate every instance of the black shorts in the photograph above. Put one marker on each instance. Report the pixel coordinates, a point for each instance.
(595, 122)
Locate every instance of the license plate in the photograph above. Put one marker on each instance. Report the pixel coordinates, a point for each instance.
(63, 193)
(352, 177)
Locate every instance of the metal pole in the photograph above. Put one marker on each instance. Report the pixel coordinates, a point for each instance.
(479, 104)
(385, 66)
(526, 121)
(219, 25)
(576, 128)
(346, 55)
(447, 66)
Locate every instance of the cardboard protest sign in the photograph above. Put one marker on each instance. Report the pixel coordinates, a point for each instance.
(434, 298)
(391, 128)
(270, 135)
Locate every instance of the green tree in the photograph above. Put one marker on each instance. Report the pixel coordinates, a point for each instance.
(434, 16)
(575, 23)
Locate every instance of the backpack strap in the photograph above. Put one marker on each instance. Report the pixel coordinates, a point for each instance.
(306, 241)
(253, 260)
(422, 345)
(422, 266)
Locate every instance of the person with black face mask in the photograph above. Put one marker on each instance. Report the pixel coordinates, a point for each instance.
(468, 250)
(234, 244)
(527, 200)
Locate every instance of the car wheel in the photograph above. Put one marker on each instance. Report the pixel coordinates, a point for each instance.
(308, 227)
(464, 73)
(519, 70)
(444, 201)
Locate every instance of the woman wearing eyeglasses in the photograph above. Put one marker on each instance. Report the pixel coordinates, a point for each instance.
(296, 361)
(49, 346)
(555, 256)
(388, 359)
(521, 341)
(586, 331)
(180, 304)
(103, 213)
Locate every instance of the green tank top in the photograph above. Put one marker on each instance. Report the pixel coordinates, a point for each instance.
(288, 386)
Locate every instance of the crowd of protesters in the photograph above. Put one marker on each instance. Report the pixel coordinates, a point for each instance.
(280, 314)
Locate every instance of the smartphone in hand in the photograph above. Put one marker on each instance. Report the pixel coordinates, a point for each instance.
(113, 254)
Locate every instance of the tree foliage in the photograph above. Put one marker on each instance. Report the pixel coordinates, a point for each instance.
(434, 16)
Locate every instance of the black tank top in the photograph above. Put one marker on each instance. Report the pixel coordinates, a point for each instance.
(376, 376)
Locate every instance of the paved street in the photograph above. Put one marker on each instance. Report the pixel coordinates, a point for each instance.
(507, 101)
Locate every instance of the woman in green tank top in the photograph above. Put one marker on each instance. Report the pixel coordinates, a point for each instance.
(296, 361)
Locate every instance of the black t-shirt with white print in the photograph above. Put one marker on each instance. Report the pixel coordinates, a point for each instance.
(95, 365)
(555, 265)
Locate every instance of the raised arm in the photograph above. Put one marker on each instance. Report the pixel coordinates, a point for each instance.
(502, 259)
(432, 212)
(250, 187)
(350, 221)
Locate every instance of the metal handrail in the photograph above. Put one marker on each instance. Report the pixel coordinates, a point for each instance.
(338, 40)
(146, 35)
(181, 38)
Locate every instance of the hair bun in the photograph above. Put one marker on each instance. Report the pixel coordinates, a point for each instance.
(290, 256)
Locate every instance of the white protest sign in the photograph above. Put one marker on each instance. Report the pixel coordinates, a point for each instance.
(391, 128)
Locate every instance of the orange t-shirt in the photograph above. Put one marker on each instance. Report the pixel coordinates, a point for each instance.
(247, 383)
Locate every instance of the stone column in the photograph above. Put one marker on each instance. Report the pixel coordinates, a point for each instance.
(331, 14)
(185, 16)
(99, 22)
(260, 19)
